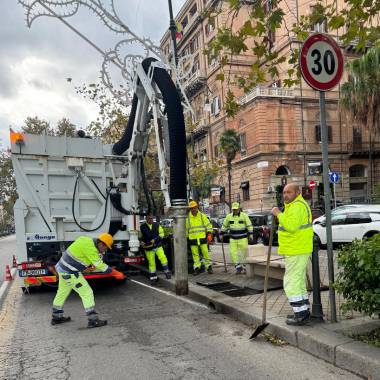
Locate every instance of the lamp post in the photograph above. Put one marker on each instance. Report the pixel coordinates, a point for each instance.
(173, 29)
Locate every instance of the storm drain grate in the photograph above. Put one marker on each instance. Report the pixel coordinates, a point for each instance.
(233, 290)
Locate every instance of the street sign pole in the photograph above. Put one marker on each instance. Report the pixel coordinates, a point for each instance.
(334, 195)
(326, 186)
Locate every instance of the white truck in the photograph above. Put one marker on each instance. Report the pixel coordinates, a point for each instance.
(69, 187)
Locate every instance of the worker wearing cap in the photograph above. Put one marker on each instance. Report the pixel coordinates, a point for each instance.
(82, 255)
(151, 235)
(198, 228)
(239, 226)
(295, 238)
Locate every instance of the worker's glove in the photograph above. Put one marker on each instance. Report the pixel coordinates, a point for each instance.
(118, 275)
(250, 239)
(89, 269)
(210, 239)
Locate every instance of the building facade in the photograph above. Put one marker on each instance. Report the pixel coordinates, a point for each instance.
(278, 126)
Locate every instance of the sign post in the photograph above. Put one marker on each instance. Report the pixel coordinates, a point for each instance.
(334, 178)
(321, 62)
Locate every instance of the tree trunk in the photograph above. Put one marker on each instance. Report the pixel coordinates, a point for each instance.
(229, 184)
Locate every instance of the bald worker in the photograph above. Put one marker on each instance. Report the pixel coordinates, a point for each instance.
(295, 237)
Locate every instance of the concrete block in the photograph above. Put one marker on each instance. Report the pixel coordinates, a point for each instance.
(320, 342)
(257, 250)
(360, 358)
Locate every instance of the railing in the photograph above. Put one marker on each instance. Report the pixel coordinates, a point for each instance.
(196, 75)
(277, 92)
(362, 147)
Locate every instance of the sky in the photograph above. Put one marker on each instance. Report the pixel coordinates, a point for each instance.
(36, 62)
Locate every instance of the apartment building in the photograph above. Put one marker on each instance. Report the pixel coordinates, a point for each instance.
(278, 126)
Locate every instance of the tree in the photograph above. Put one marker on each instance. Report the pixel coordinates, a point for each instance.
(36, 126)
(201, 179)
(8, 194)
(229, 144)
(65, 127)
(356, 23)
(361, 93)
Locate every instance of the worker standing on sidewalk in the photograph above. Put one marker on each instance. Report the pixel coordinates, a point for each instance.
(151, 235)
(295, 237)
(82, 255)
(198, 229)
(239, 226)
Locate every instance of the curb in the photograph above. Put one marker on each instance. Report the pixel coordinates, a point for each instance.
(5, 286)
(319, 340)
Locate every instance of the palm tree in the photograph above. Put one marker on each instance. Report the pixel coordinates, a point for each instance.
(361, 95)
(229, 145)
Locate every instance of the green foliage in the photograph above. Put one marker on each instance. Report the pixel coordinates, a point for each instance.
(111, 121)
(361, 93)
(229, 144)
(36, 126)
(65, 127)
(359, 277)
(356, 23)
(201, 179)
(8, 193)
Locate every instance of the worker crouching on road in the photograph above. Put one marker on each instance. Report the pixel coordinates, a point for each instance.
(295, 237)
(198, 229)
(82, 255)
(151, 235)
(239, 226)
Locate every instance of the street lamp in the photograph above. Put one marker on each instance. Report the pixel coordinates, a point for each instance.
(173, 29)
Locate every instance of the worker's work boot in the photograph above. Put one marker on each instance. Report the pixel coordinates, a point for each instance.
(238, 269)
(197, 271)
(57, 321)
(96, 323)
(168, 274)
(209, 270)
(299, 319)
(153, 277)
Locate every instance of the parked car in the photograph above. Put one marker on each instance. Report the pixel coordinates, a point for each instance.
(261, 222)
(353, 222)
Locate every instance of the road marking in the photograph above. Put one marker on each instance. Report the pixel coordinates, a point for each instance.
(172, 295)
(5, 284)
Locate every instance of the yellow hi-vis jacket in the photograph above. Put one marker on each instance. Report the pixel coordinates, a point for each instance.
(295, 230)
(238, 226)
(197, 228)
(79, 255)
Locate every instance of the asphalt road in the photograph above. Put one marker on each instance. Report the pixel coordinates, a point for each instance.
(7, 250)
(151, 335)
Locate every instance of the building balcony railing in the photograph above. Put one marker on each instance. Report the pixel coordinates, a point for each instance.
(277, 92)
(194, 83)
(359, 149)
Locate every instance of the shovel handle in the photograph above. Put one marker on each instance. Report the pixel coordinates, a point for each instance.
(272, 227)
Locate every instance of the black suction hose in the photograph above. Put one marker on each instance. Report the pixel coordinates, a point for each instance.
(177, 135)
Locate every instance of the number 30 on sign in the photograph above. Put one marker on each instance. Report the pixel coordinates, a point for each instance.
(321, 62)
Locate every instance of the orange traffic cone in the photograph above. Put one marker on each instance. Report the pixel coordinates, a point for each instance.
(8, 274)
(14, 265)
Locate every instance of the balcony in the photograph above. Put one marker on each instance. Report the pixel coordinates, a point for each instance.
(273, 92)
(363, 149)
(194, 83)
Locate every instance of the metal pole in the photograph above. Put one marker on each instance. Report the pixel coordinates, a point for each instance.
(316, 311)
(173, 29)
(326, 186)
(334, 195)
(180, 249)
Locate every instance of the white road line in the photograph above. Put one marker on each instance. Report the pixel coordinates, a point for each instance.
(183, 299)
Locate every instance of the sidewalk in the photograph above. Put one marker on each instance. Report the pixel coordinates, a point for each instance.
(328, 341)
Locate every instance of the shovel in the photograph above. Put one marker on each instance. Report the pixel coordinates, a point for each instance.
(265, 324)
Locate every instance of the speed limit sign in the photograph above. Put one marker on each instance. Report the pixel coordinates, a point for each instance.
(321, 62)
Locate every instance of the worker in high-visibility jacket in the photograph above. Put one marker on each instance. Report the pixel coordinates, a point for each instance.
(198, 232)
(81, 256)
(295, 237)
(238, 225)
(151, 235)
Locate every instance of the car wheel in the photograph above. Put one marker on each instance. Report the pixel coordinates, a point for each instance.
(370, 234)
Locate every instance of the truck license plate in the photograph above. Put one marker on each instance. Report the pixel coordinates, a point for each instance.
(33, 272)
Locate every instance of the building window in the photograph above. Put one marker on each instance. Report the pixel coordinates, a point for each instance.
(193, 47)
(245, 187)
(357, 137)
(243, 144)
(215, 106)
(318, 136)
(184, 23)
(193, 10)
(282, 170)
(358, 171)
(320, 26)
(216, 151)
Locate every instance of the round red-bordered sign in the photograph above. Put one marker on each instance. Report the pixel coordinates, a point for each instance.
(312, 185)
(321, 62)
